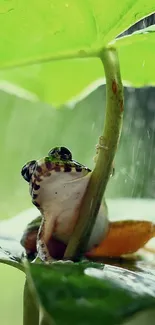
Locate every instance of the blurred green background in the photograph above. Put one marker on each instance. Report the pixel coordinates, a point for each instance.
(29, 130)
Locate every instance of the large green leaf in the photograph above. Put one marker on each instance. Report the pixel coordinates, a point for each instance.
(37, 30)
(53, 82)
(91, 293)
(40, 31)
(136, 52)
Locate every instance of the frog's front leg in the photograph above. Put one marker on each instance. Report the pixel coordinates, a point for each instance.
(44, 234)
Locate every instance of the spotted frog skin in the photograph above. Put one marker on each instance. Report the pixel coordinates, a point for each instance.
(57, 184)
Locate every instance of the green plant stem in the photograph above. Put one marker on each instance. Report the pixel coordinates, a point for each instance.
(108, 145)
(30, 308)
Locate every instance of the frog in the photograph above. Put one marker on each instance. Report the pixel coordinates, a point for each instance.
(57, 184)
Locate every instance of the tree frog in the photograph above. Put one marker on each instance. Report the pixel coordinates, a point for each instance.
(57, 184)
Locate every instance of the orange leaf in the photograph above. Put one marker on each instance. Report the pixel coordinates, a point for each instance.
(124, 237)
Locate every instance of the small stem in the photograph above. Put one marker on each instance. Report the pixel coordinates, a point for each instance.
(107, 148)
(30, 308)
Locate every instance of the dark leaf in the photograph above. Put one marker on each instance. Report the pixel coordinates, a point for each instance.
(91, 293)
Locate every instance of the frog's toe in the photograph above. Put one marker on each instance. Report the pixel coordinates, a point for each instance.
(63, 261)
(37, 260)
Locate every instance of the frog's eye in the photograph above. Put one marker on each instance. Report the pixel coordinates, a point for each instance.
(28, 169)
(61, 153)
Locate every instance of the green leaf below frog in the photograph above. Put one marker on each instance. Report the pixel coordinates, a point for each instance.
(91, 293)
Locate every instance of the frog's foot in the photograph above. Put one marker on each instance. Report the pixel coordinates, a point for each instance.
(124, 237)
(37, 260)
(63, 262)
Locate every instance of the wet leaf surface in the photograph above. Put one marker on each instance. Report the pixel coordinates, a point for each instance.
(91, 293)
(11, 253)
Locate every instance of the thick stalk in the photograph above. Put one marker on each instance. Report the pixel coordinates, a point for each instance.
(107, 149)
(30, 308)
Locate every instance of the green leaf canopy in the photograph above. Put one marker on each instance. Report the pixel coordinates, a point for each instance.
(38, 32)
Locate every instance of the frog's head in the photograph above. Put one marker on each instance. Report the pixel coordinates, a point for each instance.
(57, 154)
(52, 178)
(60, 153)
